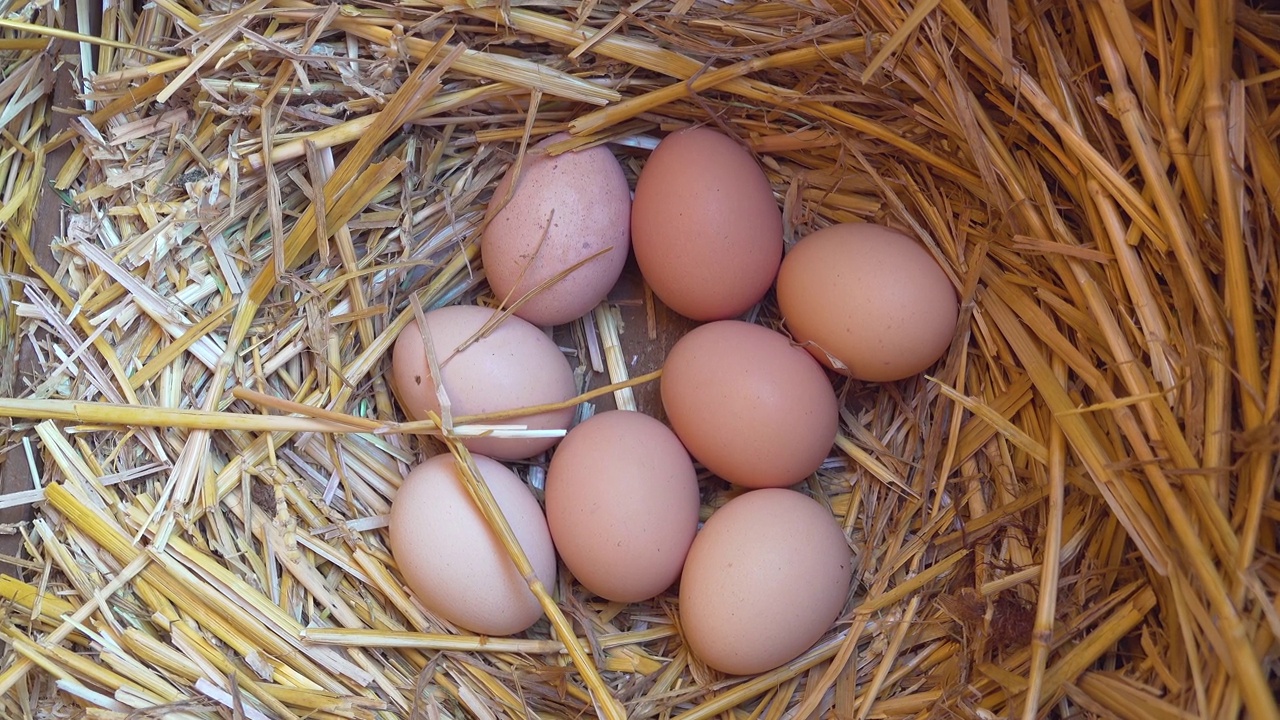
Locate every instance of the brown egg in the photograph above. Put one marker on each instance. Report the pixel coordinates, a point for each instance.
(705, 227)
(565, 209)
(453, 562)
(867, 301)
(622, 505)
(767, 575)
(514, 366)
(749, 405)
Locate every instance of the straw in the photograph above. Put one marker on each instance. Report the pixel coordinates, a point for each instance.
(1073, 512)
(602, 698)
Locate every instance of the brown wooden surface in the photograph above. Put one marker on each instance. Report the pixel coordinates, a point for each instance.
(645, 348)
(15, 474)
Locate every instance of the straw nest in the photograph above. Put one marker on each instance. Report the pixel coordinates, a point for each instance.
(1074, 514)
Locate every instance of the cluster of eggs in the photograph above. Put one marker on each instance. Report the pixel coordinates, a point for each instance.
(769, 571)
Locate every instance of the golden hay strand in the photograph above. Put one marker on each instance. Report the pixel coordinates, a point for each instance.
(1074, 513)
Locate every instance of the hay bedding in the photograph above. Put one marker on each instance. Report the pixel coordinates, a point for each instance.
(1073, 516)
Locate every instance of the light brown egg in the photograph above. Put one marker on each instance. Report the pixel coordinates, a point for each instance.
(514, 366)
(622, 505)
(450, 558)
(565, 208)
(705, 227)
(867, 301)
(749, 405)
(767, 575)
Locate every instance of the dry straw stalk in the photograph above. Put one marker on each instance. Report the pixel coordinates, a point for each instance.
(1073, 514)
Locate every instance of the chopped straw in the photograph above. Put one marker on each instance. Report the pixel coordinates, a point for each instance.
(1074, 513)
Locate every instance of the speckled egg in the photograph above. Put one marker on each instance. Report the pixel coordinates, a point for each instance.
(563, 210)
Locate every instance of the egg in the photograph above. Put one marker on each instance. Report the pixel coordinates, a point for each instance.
(564, 209)
(867, 301)
(515, 365)
(750, 406)
(452, 561)
(766, 577)
(705, 227)
(622, 505)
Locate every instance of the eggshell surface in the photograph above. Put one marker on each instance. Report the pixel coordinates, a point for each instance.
(767, 575)
(705, 227)
(453, 562)
(867, 301)
(749, 405)
(514, 366)
(564, 209)
(622, 505)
